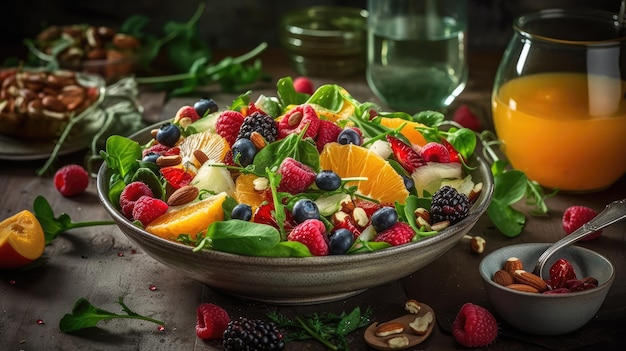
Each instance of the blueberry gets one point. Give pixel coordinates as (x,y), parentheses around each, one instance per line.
(305,209)
(242,212)
(150,157)
(349,136)
(168,134)
(327,180)
(243,152)
(384,218)
(205,106)
(340,241)
(408,182)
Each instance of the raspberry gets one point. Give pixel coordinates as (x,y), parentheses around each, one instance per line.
(228,124)
(398,234)
(212,321)
(71,180)
(466,118)
(296,176)
(311,233)
(408,158)
(303,85)
(158,149)
(131,193)
(575,216)
(474,326)
(449,205)
(147,209)
(186,112)
(435,152)
(297,119)
(327,132)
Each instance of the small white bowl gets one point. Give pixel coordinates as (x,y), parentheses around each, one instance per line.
(547,314)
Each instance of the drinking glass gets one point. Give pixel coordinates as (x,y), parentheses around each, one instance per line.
(558,101)
(416,53)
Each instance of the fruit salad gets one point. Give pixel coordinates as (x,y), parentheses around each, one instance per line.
(295,175)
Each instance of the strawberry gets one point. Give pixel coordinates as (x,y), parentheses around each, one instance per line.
(186,112)
(347,223)
(176,176)
(408,158)
(575,216)
(300,117)
(212,321)
(303,85)
(327,132)
(435,152)
(560,272)
(147,209)
(296,177)
(228,124)
(265,215)
(466,118)
(454,155)
(311,233)
(71,180)
(474,326)
(398,234)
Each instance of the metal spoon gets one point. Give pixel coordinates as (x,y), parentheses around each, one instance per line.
(613,212)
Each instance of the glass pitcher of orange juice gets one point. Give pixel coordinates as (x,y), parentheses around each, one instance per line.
(559,99)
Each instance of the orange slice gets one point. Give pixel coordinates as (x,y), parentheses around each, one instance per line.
(191,218)
(383,182)
(245,192)
(21,240)
(409,131)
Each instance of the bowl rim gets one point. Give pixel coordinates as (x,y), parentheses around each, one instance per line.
(477,210)
(543,246)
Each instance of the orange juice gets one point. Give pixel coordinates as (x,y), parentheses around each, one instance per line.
(564,130)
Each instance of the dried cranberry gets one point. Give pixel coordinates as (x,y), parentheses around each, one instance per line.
(560,272)
(557,291)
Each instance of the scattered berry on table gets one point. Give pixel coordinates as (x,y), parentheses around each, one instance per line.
(168,134)
(327,133)
(303,85)
(575,216)
(205,106)
(131,193)
(435,152)
(260,123)
(474,326)
(147,209)
(300,117)
(449,205)
(384,218)
(408,158)
(212,321)
(327,180)
(186,112)
(228,124)
(349,136)
(466,118)
(305,209)
(243,152)
(242,212)
(296,177)
(311,233)
(71,180)
(252,334)
(398,234)
(339,241)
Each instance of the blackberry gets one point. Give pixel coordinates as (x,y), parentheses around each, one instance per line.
(449,205)
(245,334)
(260,123)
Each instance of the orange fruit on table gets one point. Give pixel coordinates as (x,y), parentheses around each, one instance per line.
(21,240)
(383,182)
(191,218)
(409,131)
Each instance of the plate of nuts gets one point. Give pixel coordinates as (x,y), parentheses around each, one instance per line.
(403,332)
(36,105)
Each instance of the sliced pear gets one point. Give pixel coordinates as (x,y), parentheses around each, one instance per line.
(215,178)
(430,176)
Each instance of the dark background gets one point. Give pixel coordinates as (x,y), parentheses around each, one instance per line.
(242,24)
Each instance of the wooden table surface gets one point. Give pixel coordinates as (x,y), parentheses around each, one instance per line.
(101,264)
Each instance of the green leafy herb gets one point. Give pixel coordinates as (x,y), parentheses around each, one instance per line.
(330,329)
(242,237)
(53,226)
(85,315)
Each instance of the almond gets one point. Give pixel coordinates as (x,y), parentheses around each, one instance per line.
(257,140)
(390,328)
(439,226)
(200,156)
(503,278)
(477,244)
(420,325)
(473,194)
(522,287)
(523,277)
(183,195)
(170,160)
(512,264)
(423,213)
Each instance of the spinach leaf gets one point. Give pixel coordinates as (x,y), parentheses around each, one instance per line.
(292,146)
(327,96)
(288,94)
(121,155)
(241,237)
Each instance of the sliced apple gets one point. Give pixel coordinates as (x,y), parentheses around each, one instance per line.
(430,176)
